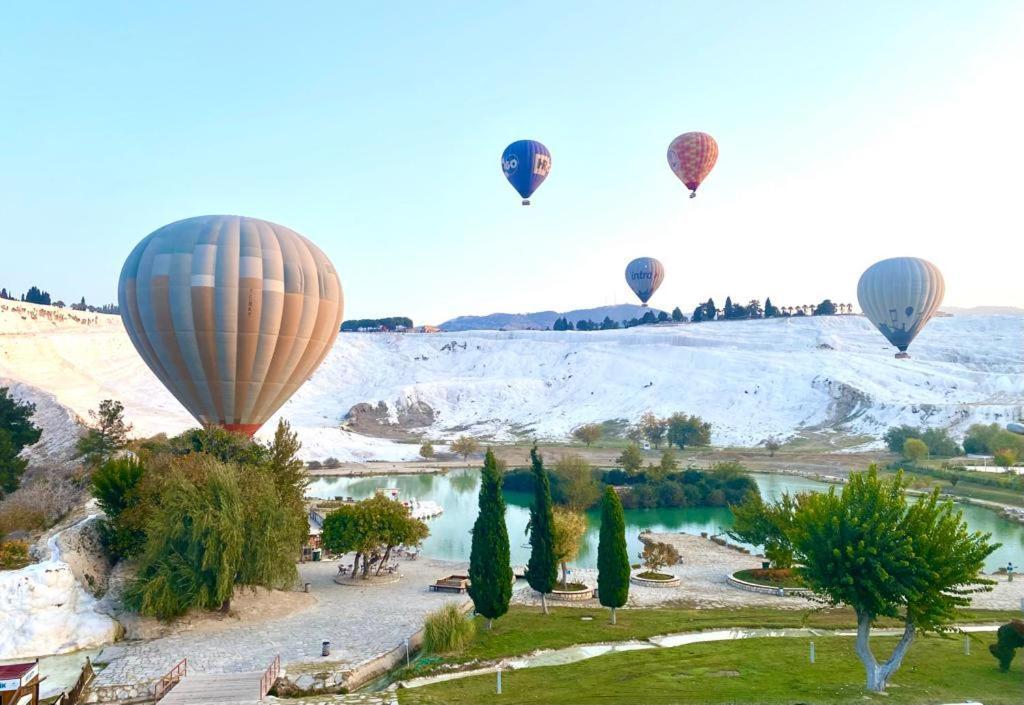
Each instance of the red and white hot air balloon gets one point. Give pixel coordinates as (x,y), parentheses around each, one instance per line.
(692,156)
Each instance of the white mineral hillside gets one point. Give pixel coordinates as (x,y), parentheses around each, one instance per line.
(751,379)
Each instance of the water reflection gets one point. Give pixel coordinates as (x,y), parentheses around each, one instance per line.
(457,493)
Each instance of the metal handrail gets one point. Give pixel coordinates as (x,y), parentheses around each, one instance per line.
(170,679)
(270,676)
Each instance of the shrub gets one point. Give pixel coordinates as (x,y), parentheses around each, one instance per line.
(447,631)
(1009,638)
(658,555)
(116,487)
(332,463)
(314,465)
(13,555)
(427,450)
(914,449)
(1005,457)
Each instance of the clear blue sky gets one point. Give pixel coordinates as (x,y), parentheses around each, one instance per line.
(848,132)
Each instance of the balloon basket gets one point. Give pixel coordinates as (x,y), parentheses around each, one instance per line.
(526,201)
(693,194)
(902,356)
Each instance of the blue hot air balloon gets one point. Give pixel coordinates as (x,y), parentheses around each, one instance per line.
(526,164)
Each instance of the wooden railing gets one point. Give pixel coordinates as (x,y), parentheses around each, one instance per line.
(74,695)
(170,679)
(270,676)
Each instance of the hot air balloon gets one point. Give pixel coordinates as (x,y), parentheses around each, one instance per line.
(232,314)
(644,275)
(526,164)
(899,295)
(692,156)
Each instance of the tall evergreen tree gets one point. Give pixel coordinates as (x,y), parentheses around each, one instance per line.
(677,315)
(728,310)
(490,562)
(710,310)
(612,556)
(769,309)
(542,569)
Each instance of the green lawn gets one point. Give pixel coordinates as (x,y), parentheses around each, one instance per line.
(527,629)
(749,671)
(964,488)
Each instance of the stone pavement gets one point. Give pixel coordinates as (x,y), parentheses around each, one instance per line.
(360,623)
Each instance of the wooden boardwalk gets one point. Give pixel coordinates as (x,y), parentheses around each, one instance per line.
(206,688)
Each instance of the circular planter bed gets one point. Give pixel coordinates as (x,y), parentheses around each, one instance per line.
(768,581)
(652,579)
(573,592)
(369,581)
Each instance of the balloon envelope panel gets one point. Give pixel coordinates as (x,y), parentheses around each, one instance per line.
(232,314)
(526,164)
(644,275)
(899,295)
(691,156)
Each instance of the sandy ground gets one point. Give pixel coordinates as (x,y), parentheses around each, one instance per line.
(808,463)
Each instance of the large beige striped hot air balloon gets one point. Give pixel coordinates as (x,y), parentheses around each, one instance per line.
(232,314)
(900,295)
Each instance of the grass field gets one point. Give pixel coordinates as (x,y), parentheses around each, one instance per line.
(749,671)
(527,629)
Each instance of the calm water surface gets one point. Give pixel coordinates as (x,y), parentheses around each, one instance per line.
(457,493)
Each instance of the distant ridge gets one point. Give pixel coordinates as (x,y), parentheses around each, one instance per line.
(983,310)
(541,320)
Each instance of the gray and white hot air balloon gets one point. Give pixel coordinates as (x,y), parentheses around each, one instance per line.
(899,295)
(232,314)
(644,275)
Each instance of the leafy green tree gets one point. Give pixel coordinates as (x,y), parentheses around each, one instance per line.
(896,436)
(657,555)
(427,450)
(490,569)
(117,486)
(107,434)
(569,527)
(686,430)
(1005,457)
(986,440)
(654,428)
(825,308)
(465,446)
(215,526)
(772,445)
(609,324)
(12,466)
(286,470)
(867,548)
(215,441)
(761,524)
(677,315)
(589,433)
(542,568)
(612,556)
(371,529)
(914,449)
(940,443)
(662,317)
(576,481)
(16,420)
(631,459)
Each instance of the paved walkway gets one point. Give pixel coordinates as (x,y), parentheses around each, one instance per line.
(360,623)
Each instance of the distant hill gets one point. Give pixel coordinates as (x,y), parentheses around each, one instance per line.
(541,320)
(983,310)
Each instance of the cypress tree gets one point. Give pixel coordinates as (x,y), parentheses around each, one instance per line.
(612,557)
(542,570)
(490,569)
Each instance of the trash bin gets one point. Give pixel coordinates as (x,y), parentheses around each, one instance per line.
(765,565)
(325,649)
(316,554)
